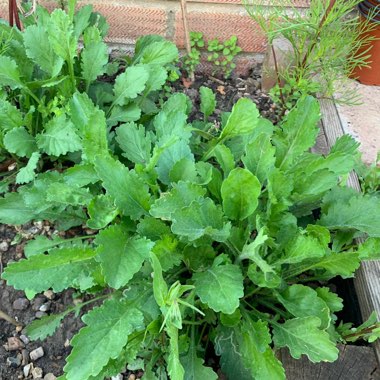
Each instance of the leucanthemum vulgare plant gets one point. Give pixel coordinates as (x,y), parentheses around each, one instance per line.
(55,57)
(324,42)
(210,241)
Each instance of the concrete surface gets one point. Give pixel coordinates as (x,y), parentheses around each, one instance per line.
(363,121)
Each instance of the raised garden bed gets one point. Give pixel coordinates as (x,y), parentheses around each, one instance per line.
(354,361)
(254,263)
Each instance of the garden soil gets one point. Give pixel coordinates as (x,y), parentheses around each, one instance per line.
(55,349)
(14,303)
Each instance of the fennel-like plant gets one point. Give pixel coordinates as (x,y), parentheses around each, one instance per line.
(325,41)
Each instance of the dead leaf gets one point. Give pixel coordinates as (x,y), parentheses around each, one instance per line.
(187,82)
(220,89)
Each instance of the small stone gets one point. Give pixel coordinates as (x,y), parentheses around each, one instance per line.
(19,251)
(33,230)
(40,314)
(38,224)
(18,328)
(45,307)
(37,303)
(37,373)
(26,370)
(50,376)
(14,344)
(24,339)
(36,354)
(77,301)
(25,357)
(12,166)
(132,377)
(4,246)
(20,304)
(67,343)
(14,362)
(117,377)
(49,294)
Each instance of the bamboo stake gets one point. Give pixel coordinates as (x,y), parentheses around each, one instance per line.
(186,31)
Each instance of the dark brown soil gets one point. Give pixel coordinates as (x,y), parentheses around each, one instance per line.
(57,348)
(228,92)
(15,304)
(54,347)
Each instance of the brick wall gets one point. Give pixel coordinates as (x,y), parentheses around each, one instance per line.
(130,19)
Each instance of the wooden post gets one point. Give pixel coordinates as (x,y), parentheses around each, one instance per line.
(186,31)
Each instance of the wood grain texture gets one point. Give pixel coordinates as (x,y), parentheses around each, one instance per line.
(321,146)
(354,363)
(367,279)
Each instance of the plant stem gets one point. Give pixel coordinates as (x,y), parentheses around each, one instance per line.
(261,315)
(204,134)
(79,306)
(368,330)
(232,248)
(192,323)
(201,334)
(71,73)
(9,319)
(75,239)
(278,77)
(319,31)
(251,293)
(30,93)
(271,306)
(209,152)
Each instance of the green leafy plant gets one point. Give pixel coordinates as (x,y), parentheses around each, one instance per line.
(222,54)
(192,60)
(369,176)
(324,45)
(293,90)
(205,242)
(369,330)
(44,72)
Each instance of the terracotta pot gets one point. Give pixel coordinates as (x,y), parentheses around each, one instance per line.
(373,2)
(370,75)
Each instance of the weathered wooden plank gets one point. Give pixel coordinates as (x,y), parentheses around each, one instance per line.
(367,279)
(321,143)
(354,363)
(331,123)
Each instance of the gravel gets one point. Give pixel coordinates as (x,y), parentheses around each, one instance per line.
(36,354)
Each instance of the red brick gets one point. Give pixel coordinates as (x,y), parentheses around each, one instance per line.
(127,23)
(296,3)
(223,26)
